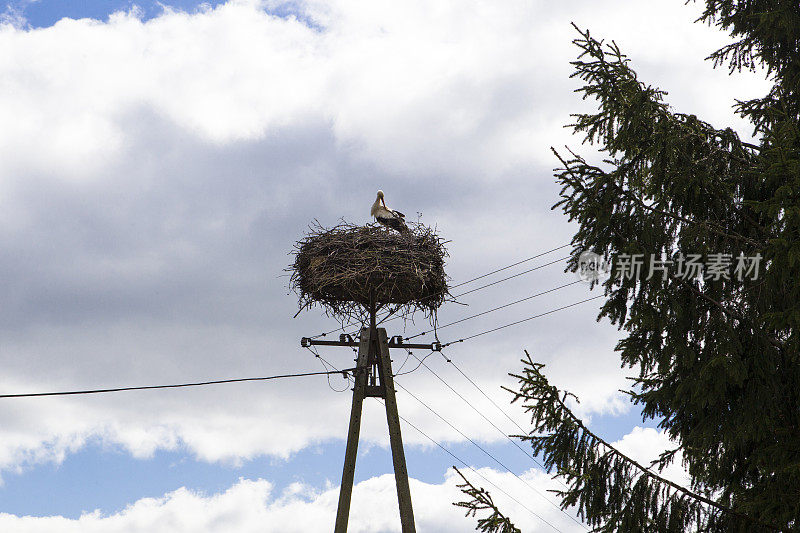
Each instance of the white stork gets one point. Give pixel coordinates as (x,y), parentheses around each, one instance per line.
(388,217)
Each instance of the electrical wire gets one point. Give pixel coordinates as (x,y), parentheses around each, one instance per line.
(486,452)
(531,258)
(523,320)
(196,384)
(408,356)
(421,362)
(518,274)
(327,365)
(467,466)
(472,406)
(482,415)
(503,411)
(340,328)
(465,283)
(492,310)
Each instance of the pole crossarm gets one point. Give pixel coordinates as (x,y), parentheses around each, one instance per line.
(395,342)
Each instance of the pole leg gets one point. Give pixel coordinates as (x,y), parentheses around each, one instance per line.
(349,470)
(395,438)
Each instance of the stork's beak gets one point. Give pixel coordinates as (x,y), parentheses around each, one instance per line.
(384,203)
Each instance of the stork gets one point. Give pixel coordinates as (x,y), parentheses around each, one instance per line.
(388,217)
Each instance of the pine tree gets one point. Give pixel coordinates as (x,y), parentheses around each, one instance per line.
(717,356)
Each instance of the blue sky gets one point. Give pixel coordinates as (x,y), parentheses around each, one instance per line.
(44,13)
(101,477)
(155,171)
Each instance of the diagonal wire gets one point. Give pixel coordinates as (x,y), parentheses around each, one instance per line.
(454,456)
(518,274)
(481,448)
(327,366)
(494,309)
(512,265)
(454,391)
(503,411)
(523,320)
(482,415)
(408,356)
(421,361)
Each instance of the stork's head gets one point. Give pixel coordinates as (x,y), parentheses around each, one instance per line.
(380,197)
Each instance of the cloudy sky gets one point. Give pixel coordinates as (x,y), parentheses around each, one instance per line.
(157,163)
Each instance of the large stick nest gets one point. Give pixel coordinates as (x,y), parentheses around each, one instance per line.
(338,267)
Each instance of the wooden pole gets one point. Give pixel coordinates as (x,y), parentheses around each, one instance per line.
(349,470)
(373,350)
(395,438)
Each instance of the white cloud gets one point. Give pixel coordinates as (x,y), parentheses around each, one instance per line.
(646,444)
(252,505)
(153,176)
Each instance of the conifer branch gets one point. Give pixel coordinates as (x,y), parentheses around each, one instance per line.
(613,492)
(596,172)
(734,315)
(481,500)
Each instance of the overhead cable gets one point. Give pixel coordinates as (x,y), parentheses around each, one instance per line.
(484,450)
(492,310)
(196,384)
(521,321)
(518,274)
(464,463)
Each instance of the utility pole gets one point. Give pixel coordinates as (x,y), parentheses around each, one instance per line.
(373,377)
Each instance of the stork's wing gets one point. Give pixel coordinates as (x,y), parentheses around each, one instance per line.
(395,223)
(398,213)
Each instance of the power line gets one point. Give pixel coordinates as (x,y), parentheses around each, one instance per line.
(408,356)
(328,365)
(446,384)
(481,414)
(340,328)
(521,321)
(421,362)
(511,277)
(512,265)
(487,419)
(467,282)
(482,449)
(196,384)
(454,456)
(492,310)
(503,411)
